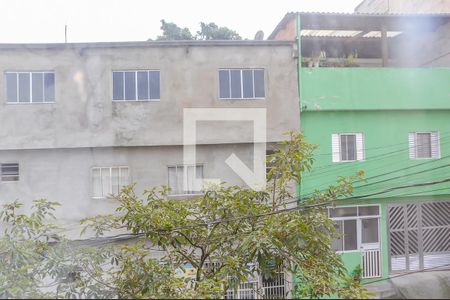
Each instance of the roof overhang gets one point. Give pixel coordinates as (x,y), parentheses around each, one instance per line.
(363,22)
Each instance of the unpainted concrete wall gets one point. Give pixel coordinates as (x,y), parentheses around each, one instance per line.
(64,175)
(84,114)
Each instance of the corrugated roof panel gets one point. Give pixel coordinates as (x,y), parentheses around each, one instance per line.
(329,33)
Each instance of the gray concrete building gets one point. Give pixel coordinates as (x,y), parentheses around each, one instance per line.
(78,121)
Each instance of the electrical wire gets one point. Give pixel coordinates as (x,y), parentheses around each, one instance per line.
(285,210)
(348,165)
(380,175)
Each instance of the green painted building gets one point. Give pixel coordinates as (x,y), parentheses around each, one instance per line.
(371,100)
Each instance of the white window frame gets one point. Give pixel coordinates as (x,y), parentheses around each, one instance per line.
(110,179)
(135,71)
(358,219)
(242,83)
(44,101)
(10,181)
(336,147)
(412,141)
(183,194)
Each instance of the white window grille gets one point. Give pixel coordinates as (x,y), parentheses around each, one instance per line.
(179,173)
(424,145)
(9,172)
(347,147)
(107,181)
(260,287)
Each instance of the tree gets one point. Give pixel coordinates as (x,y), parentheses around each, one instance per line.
(208,31)
(231,232)
(37,262)
(226,234)
(211,31)
(172,32)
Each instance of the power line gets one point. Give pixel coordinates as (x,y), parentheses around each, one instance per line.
(383,174)
(382,192)
(337,167)
(442,135)
(402,187)
(296,208)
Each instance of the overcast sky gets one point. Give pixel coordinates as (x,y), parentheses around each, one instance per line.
(42,21)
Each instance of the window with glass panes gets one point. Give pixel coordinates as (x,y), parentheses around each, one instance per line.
(241,83)
(138,85)
(107,181)
(179,173)
(348,146)
(9,172)
(356,226)
(30,87)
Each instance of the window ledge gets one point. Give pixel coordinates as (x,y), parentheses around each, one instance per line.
(29,103)
(349,161)
(241,99)
(132,101)
(348,251)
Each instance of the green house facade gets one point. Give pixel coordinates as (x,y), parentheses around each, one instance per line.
(404,153)
(375,98)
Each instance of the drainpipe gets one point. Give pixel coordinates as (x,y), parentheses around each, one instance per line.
(299,66)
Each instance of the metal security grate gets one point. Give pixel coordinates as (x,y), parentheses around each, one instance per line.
(371,263)
(419,235)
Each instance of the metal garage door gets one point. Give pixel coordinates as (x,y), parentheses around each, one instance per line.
(419,236)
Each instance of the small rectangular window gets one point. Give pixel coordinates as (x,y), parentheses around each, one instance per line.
(9,172)
(355,226)
(338,242)
(49,87)
(423,145)
(142,85)
(38,87)
(224,84)
(107,181)
(241,83)
(154,82)
(368,211)
(130,85)
(339,212)
(350,235)
(259,83)
(236,84)
(118,88)
(348,147)
(24,87)
(30,87)
(177,175)
(247,83)
(11,87)
(369,231)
